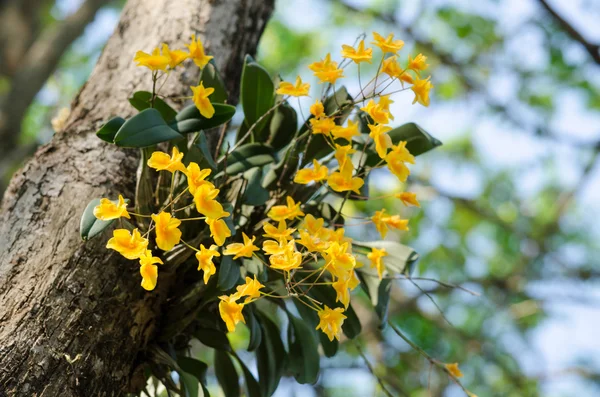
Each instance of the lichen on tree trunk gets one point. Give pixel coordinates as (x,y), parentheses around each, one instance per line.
(73,318)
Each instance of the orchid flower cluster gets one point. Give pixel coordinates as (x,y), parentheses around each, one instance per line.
(297,249)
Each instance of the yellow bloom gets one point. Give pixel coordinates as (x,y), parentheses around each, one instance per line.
(205,261)
(343,181)
(204,198)
(376,257)
(197,52)
(219,230)
(201,100)
(408,198)
(381,138)
(421,89)
(312,241)
(272,247)
(330,321)
(377,113)
(396,160)
(154,61)
(322,125)
(289,211)
(131,246)
(391,67)
(316,174)
(251,289)
(342,291)
(175,56)
(231,311)
(196,177)
(453,369)
(161,161)
(148,270)
(384,104)
(378,221)
(382,221)
(357,55)
(167,232)
(317,109)
(342,155)
(149,275)
(418,64)
(287,88)
(338,260)
(245,249)
(312,224)
(108,210)
(288,260)
(346,132)
(278,233)
(396,222)
(406,78)
(327,71)
(387,44)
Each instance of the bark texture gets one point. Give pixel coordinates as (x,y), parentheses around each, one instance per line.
(73,318)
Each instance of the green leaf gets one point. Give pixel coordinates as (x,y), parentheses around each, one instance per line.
(193,372)
(146,128)
(255,194)
(418,141)
(378,291)
(90,226)
(283,126)
(257,95)
(210,77)
(226,374)
(213,338)
(330,347)
(304,357)
(189,384)
(142,100)
(228,272)
(271,357)
(248,156)
(254,327)
(109,130)
(400,258)
(190,119)
(252,386)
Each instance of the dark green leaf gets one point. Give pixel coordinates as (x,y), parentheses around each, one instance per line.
(109,130)
(190,119)
(255,194)
(142,100)
(271,356)
(90,226)
(378,291)
(304,356)
(228,272)
(210,77)
(213,338)
(189,383)
(257,97)
(252,386)
(283,126)
(330,347)
(254,327)
(194,367)
(226,374)
(146,128)
(248,156)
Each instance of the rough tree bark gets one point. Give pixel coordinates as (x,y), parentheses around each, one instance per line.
(61,297)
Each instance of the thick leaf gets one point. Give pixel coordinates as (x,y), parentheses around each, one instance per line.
(210,77)
(142,100)
(226,374)
(252,386)
(254,327)
(109,130)
(228,273)
(283,126)
(400,258)
(257,95)
(330,347)
(378,291)
(193,372)
(90,226)
(199,153)
(190,119)
(189,383)
(418,141)
(146,128)
(271,356)
(248,156)
(213,338)
(304,357)
(255,194)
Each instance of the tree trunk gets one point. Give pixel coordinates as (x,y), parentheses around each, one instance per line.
(61,299)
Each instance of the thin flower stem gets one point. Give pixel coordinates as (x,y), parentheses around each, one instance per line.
(189,246)
(140,215)
(200,218)
(372,370)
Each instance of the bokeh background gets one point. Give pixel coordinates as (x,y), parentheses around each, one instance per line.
(510,202)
